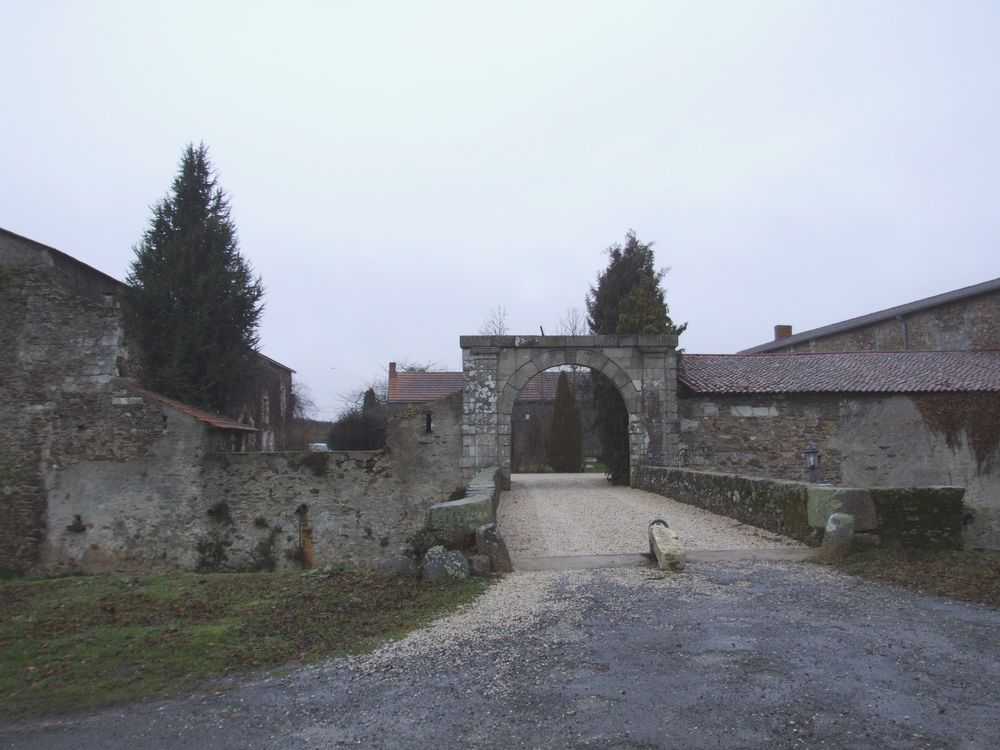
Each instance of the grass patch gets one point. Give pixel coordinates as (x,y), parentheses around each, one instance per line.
(968,575)
(80,642)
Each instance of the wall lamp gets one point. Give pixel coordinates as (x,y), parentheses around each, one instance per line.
(811,455)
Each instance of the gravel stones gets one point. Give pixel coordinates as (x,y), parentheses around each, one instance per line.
(582,514)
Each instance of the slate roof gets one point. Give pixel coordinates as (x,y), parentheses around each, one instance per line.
(421,387)
(955,295)
(842,372)
(209,418)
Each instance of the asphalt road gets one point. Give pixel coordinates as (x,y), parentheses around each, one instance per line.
(724,655)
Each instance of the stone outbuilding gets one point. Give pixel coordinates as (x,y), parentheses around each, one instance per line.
(877,419)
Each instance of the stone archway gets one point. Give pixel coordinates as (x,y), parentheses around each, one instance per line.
(644,369)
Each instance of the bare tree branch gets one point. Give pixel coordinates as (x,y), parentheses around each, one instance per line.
(573,323)
(495,323)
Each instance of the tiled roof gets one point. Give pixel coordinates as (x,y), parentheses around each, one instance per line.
(214,420)
(542,387)
(421,387)
(955,295)
(842,372)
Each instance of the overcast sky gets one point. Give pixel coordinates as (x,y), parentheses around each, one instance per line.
(396,170)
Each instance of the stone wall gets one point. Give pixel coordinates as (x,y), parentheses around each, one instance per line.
(173,504)
(964,324)
(901,517)
(760,435)
(58,358)
(864,441)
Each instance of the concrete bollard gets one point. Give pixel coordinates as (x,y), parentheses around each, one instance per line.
(838,538)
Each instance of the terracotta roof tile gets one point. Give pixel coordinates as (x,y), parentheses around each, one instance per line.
(214,420)
(421,387)
(842,372)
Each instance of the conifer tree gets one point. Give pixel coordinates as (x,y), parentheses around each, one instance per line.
(193,304)
(370,405)
(566,431)
(627,299)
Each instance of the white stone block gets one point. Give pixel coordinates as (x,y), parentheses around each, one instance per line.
(666,545)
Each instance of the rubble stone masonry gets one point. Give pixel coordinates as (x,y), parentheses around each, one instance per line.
(56,373)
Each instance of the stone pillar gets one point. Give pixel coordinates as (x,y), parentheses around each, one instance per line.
(479,410)
(659,405)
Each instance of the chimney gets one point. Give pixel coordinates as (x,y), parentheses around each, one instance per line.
(782,332)
(392,370)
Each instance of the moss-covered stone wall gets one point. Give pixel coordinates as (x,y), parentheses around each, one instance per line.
(905,517)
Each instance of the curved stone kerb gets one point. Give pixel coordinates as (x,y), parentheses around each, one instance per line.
(546,359)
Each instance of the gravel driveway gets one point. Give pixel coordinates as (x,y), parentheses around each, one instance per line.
(724,655)
(547,515)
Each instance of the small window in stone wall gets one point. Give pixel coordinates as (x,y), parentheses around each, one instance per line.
(265,410)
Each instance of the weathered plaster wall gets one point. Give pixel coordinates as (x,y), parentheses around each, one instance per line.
(174,505)
(138,499)
(864,440)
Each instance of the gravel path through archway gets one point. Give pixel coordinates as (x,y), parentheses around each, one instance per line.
(545,515)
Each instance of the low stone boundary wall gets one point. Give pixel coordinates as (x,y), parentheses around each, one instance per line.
(911,517)
(455,522)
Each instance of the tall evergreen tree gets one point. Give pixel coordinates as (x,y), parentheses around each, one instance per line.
(627,299)
(566,431)
(193,304)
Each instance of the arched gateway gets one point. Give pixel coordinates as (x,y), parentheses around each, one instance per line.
(644,368)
